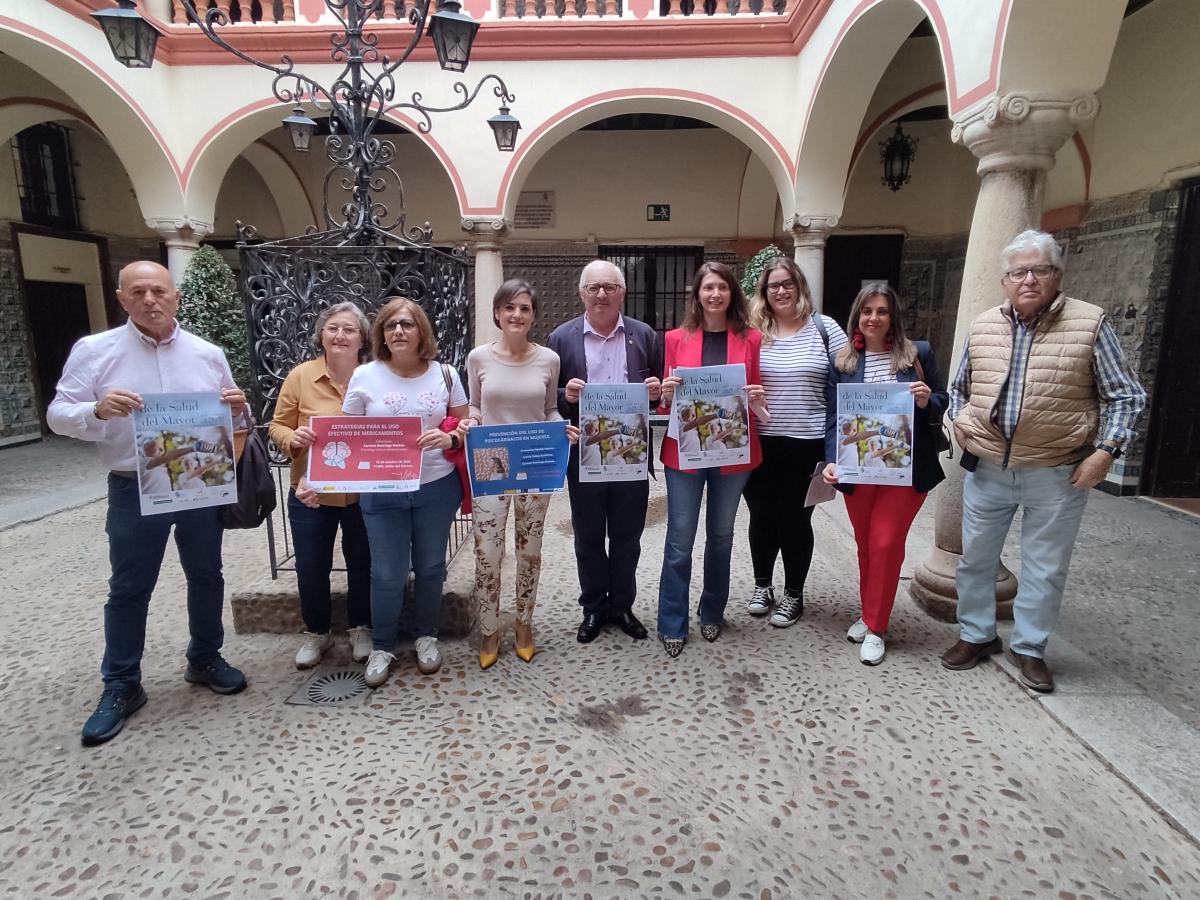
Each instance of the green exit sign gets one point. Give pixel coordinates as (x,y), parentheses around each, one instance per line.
(658,212)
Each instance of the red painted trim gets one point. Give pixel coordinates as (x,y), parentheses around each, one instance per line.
(886,116)
(624,94)
(75,54)
(1064,217)
(1086,159)
(71,111)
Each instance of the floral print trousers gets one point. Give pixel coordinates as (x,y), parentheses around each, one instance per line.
(491,515)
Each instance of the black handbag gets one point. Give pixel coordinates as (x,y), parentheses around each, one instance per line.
(935,429)
(256,495)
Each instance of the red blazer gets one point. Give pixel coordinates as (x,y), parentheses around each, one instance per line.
(684,348)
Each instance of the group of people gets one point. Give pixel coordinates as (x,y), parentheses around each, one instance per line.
(1025,405)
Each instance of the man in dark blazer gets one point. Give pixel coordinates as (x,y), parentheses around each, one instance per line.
(603,347)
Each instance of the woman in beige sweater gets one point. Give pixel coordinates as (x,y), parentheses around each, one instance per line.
(512,380)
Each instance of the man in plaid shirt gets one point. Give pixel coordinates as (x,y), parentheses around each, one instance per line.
(1026,402)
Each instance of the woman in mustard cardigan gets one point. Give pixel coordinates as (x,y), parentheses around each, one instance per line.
(716,331)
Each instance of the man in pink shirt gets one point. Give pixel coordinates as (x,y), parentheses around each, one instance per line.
(101,386)
(603,347)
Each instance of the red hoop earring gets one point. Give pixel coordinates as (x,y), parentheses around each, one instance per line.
(858,341)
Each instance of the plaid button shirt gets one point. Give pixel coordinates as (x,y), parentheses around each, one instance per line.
(1116,386)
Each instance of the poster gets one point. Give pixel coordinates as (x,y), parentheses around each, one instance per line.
(874,434)
(709,419)
(364,454)
(614,423)
(184,449)
(517,459)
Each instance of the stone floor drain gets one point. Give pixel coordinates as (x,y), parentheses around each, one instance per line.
(332,687)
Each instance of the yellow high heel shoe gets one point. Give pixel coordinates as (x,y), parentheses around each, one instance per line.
(527,652)
(487,658)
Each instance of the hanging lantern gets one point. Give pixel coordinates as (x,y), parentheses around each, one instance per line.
(505,128)
(897,154)
(131,38)
(452,34)
(300,128)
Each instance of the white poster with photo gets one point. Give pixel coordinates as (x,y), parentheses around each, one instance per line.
(614,430)
(874,434)
(184,447)
(709,419)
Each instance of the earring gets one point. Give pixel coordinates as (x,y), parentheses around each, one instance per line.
(858,340)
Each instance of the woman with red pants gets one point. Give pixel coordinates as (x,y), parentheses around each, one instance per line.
(882,514)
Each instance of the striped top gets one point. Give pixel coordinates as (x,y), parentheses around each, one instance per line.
(878,367)
(793,374)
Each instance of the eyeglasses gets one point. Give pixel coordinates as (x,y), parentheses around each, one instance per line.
(400,325)
(335,330)
(1041,273)
(775,287)
(593,290)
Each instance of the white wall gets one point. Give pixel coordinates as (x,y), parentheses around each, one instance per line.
(244,196)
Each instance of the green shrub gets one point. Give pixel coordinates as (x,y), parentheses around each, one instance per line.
(754,268)
(210,306)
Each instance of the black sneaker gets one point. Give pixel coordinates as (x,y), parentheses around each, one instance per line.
(218,675)
(762,600)
(789,610)
(116,705)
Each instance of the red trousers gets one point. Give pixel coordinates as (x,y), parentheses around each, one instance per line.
(881,516)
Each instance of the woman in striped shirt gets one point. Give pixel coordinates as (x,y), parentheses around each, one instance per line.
(882,513)
(795,360)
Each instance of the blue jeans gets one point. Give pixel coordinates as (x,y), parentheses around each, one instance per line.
(684,492)
(1051,511)
(409,530)
(313,534)
(136,545)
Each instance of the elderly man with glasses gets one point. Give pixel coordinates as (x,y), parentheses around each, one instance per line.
(1026,405)
(603,347)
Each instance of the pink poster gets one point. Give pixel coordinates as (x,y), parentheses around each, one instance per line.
(365,454)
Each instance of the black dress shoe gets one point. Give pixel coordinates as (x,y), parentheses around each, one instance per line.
(629,624)
(590,627)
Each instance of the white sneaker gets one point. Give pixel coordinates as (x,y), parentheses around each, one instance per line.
(312,649)
(378,666)
(871,652)
(858,632)
(429,658)
(761,602)
(360,643)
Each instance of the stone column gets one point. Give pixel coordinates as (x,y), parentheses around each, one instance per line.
(808,238)
(1015,138)
(182,237)
(489,272)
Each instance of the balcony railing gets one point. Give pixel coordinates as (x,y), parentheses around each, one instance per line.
(239,12)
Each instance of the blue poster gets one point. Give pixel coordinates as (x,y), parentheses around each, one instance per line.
(874,433)
(184,449)
(517,459)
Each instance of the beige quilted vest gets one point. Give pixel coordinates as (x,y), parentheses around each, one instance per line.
(1060,412)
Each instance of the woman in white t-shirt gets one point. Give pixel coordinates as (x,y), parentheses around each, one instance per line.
(409,527)
(794,362)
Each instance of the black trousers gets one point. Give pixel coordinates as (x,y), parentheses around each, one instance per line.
(615,510)
(779,521)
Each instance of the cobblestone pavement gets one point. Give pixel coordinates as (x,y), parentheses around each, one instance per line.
(770,764)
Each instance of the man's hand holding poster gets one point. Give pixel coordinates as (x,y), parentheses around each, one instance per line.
(517,459)
(874,434)
(614,428)
(365,454)
(709,418)
(184,446)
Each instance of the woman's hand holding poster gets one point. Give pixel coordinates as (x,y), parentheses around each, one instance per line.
(709,419)
(874,434)
(614,428)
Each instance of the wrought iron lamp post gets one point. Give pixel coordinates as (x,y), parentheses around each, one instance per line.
(897,154)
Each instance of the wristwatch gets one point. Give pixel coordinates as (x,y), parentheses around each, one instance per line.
(1114,452)
(453,441)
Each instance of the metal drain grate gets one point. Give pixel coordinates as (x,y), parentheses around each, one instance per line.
(332,687)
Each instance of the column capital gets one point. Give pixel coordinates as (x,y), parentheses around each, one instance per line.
(811,230)
(1021,130)
(494,227)
(181,231)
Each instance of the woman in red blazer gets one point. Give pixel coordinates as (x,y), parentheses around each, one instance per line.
(716,331)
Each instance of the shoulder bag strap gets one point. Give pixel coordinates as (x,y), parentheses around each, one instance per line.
(820,323)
